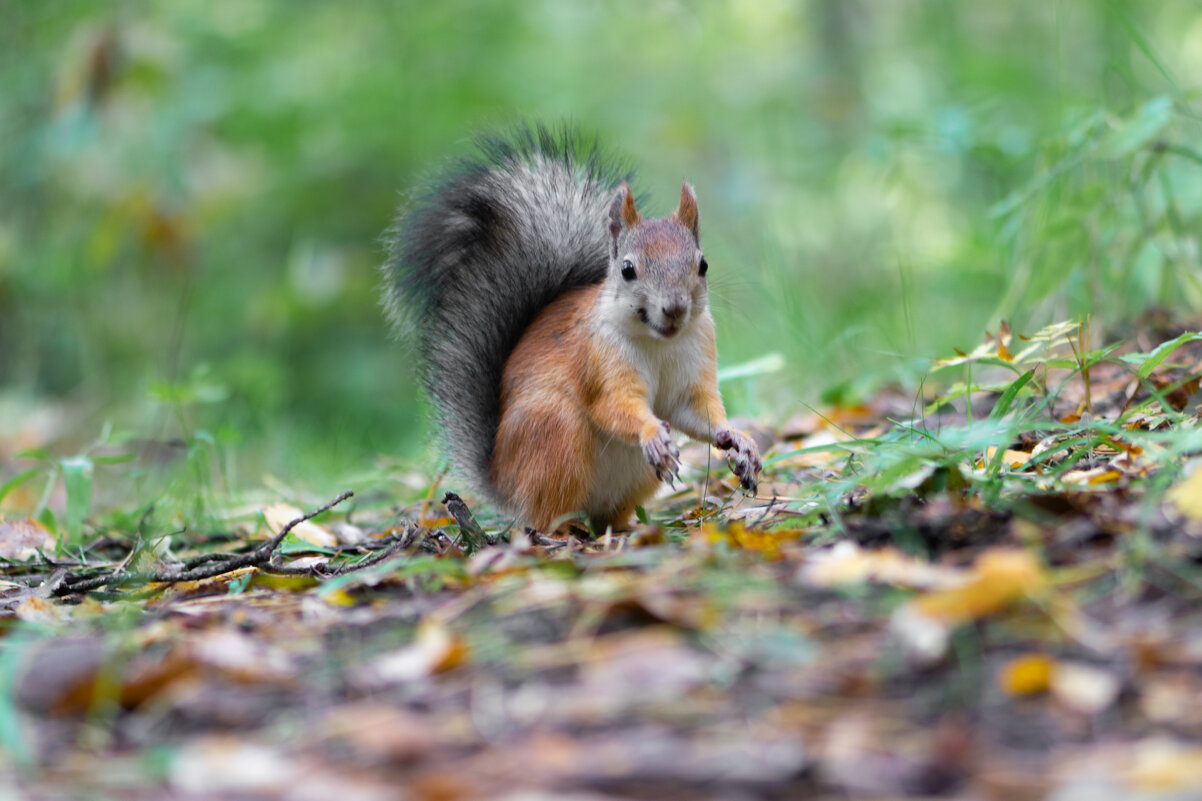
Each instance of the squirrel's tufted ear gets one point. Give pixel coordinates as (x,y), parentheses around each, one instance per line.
(686,213)
(622,214)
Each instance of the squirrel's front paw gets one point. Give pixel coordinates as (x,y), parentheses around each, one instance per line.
(743,455)
(661,453)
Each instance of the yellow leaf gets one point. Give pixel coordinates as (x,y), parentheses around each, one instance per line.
(736,535)
(1027,675)
(1093,476)
(1012,459)
(1187,496)
(1000,578)
(279,515)
(338,597)
(276,581)
(848,563)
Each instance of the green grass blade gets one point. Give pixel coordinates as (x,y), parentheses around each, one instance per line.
(1007,399)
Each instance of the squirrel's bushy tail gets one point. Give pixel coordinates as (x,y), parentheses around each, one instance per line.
(476,259)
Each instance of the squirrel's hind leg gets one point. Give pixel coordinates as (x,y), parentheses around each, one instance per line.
(538,467)
(620,515)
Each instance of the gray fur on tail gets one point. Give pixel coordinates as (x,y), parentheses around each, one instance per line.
(479,255)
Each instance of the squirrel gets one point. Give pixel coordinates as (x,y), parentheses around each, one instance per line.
(563,335)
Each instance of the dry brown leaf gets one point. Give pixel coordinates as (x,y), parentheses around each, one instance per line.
(36,609)
(382,732)
(629,668)
(21,539)
(69,676)
(1175,698)
(433,650)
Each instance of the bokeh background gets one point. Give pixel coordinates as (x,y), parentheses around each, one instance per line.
(193,193)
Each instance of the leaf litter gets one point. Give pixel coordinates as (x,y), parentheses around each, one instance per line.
(989,592)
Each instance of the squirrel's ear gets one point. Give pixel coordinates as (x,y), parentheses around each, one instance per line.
(622,214)
(686,214)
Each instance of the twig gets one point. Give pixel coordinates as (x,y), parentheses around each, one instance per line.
(384,549)
(201,569)
(473,536)
(550,543)
(376,558)
(767,510)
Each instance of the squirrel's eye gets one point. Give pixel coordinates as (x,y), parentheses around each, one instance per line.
(628,270)
(703,267)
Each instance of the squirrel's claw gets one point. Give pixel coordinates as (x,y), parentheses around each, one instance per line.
(743,457)
(663,455)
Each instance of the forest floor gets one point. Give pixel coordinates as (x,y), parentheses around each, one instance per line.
(987,593)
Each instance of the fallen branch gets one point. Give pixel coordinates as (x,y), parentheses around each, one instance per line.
(207,566)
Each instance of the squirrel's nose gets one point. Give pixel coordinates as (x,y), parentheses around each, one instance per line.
(675,311)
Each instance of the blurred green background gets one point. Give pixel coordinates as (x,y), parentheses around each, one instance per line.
(193,194)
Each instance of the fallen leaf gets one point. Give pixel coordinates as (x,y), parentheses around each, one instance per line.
(925,640)
(624,670)
(1187,496)
(736,535)
(279,515)
(1092,477)
(1174,699)
(21,539)
(381,732)
(241,657)
(69,676)
(1165,766)
(1084,688)
(224,764)
(1011,458)
(848,563)
(434,649)
(35,609)
(1029,674)
(1000,578)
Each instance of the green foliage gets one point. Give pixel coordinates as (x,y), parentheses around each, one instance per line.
(1108,224)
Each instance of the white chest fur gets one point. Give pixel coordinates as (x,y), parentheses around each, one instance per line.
(670,367)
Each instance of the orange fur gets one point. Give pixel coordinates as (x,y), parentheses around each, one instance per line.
(561,393)
(629,213)
(536,466)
